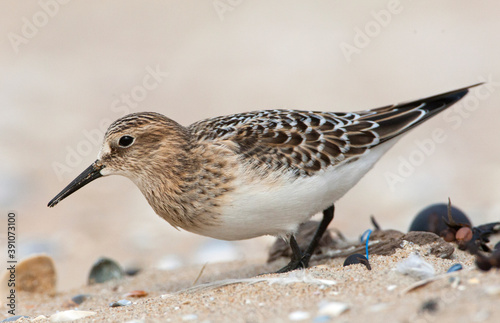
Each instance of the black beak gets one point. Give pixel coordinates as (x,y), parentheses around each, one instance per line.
(87,176)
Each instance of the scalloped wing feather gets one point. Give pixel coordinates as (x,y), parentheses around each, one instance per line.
(306,142)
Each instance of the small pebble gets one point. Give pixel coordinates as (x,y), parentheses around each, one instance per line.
(493,290)
(189,317)
(483,263)
(333,309)
(357,258)
(122,302)
(299,316)
(473,281)
(136,293)
(76,300)
(14,318)
(34,274)
(80,298)
(464,234)
(454,267)
(132,271)
(454,281)
(430,306)
(391,287)
(70,315)
(322,318)
(103,270)
(416,267)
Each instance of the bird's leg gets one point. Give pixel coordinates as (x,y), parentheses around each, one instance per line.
(327,218)
(295,262)
(299,259)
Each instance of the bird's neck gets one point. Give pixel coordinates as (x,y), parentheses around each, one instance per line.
(185,189)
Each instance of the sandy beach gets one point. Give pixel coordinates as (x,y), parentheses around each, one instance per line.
(235,292)
(69,68)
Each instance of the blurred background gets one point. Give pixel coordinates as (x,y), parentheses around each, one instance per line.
(69,68)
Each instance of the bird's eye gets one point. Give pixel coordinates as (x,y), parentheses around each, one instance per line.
(126,141)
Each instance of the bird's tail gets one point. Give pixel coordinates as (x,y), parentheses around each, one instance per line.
(396,119)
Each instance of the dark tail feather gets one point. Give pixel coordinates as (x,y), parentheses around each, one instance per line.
(396,119)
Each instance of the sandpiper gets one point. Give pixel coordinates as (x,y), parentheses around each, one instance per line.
(251,174)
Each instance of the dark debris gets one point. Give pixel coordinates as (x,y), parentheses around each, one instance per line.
(430,306)
(357,258)
(304,235)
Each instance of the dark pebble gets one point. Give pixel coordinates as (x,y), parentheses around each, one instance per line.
(80,298)
(14,318)
(122,302)
(103,270)
(357,258)
(483,263)
(430,306)
(497,246)
(132,271)
(454,267)
(431,219)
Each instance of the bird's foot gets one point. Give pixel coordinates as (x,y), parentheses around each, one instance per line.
(301,263)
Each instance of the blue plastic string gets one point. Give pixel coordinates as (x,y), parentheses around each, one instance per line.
(366,234)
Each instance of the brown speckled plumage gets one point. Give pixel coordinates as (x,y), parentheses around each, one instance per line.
(250,174)
(180,177)
(309,141)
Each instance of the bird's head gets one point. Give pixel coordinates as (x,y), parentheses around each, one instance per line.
(140,146)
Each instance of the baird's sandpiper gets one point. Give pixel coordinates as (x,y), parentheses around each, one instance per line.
(251,174)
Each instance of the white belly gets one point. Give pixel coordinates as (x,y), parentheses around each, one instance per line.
(278,206)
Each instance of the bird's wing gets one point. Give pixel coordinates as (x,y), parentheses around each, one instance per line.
(309,141)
